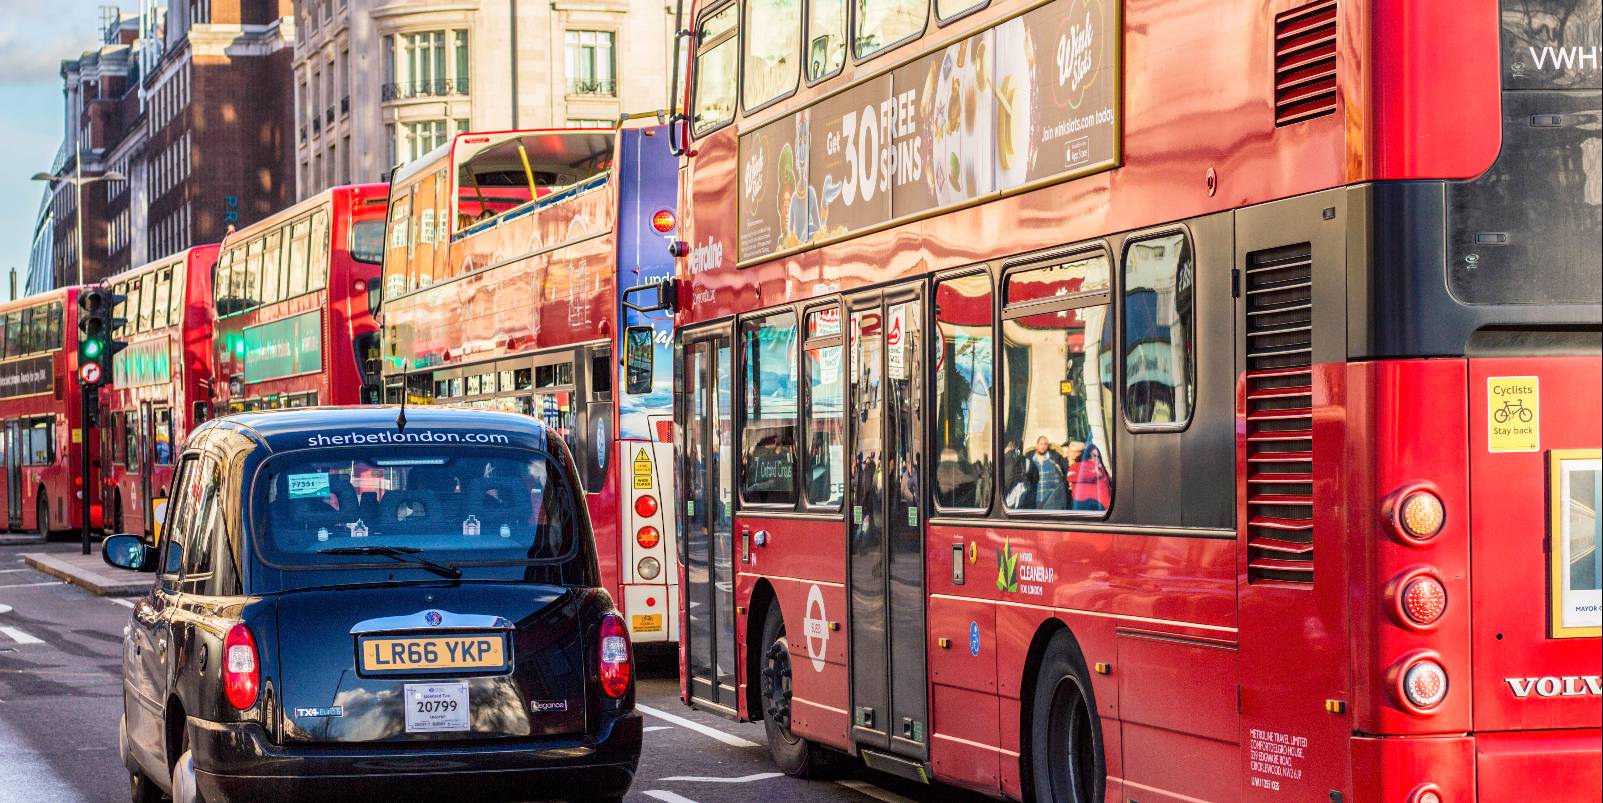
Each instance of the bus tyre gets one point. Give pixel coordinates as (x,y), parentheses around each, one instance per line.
(42,516)
(794,755)
(1066,762)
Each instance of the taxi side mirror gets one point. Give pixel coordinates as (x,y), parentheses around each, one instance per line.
(128,551)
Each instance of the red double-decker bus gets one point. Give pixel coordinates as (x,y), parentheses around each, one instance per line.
(523,272)
(294,326)
(41,413)
(1087,400)
(161,384)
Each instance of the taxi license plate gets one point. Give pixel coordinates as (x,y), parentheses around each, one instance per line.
(647,622)
(477,653)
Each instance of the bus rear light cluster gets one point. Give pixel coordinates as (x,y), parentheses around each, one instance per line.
(663,221)
(1423,600)
(1416,514)
(648,536)
(648,568)
(646,506)
(1421,682)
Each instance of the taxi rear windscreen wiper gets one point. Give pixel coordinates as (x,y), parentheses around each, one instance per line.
(408,554)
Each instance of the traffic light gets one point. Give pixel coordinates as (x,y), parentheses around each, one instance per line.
(96,324)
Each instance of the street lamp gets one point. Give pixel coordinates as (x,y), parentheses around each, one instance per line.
(78,180)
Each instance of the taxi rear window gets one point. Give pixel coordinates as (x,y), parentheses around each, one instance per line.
(461,504)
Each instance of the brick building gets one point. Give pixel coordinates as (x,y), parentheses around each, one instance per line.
(192,103)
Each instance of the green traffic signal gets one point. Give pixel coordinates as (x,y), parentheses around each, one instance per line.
(92,349)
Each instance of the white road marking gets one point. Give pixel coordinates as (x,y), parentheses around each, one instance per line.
(666,796)
(726,738)
(866,788)
(646,729)
(20,636)
(33,585)
(122,602)
(4,608)
(761,776)
(8,571)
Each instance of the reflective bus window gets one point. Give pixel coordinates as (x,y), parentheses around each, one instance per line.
(1159,338)
(773,32)
(222,284)
(964,430)
(397,253)
(13,334)
(317,258)
(135,289)
(253,273)
(120,309)
(769,387)
(130,435)
(53,337)
(164,297)
(28,341)
(41,441)
(947,9)
(1058,389)
(883,23)
(272,267)
(717,50)
(175,293)
(295,267)
(825,482)
(826,38)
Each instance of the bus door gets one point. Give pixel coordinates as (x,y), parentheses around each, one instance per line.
(885,522)
(13,446)
(707,548)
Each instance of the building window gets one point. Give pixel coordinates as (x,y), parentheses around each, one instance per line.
(590,63)
(421,137)
(419,65)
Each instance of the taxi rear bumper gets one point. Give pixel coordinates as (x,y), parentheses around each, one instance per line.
(236,761)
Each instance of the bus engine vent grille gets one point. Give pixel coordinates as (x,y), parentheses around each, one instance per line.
(1305,62)
(1280,453)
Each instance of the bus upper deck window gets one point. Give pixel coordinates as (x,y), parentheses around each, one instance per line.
(826,38)
(884,23)
(716,61)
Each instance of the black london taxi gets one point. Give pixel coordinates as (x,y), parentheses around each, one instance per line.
(354,605)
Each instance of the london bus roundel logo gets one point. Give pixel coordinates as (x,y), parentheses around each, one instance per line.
(89,373)
(816,626)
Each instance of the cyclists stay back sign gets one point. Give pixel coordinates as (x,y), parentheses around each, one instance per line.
(1514,414)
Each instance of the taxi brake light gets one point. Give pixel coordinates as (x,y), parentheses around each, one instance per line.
(617,671)
(242,672)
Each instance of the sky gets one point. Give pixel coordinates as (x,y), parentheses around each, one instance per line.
(34,37)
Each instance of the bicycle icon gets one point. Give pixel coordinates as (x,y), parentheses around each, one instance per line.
(1513,408)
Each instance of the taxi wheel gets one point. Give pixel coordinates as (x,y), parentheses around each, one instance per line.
(796,756)
(142,789)
(184,788)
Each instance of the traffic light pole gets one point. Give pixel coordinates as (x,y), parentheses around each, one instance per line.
(83,503)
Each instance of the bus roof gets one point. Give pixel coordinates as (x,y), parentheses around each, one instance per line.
(181,256)
(379,192)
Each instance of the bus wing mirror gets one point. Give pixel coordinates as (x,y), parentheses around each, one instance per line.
(667,299)
(639,358)
(202,413)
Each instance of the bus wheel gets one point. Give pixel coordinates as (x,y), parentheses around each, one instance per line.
(796,756)
(116,516)
(1066,761)
(42,516)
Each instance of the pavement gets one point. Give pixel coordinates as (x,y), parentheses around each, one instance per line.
(61,697)
(91,572)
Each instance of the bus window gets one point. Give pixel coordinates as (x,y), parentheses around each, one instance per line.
(119,438)
(317,256)
(947,9)
(1159,338)
(884,23)
(223,283)
(272,267)
(164,280)
(13,334)
(442,223)
(397,253)
(175,301)
(299,237)
(41,440)
(825,468)
(769,63)
(120,309)
(147,298)
(53,336)
(253,273)
(29,344)
(130,444)
(716,53)
(420,265)
(769,390)
(1058,389)
(509,174)
(826,38)
(164,436)
(964,428)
